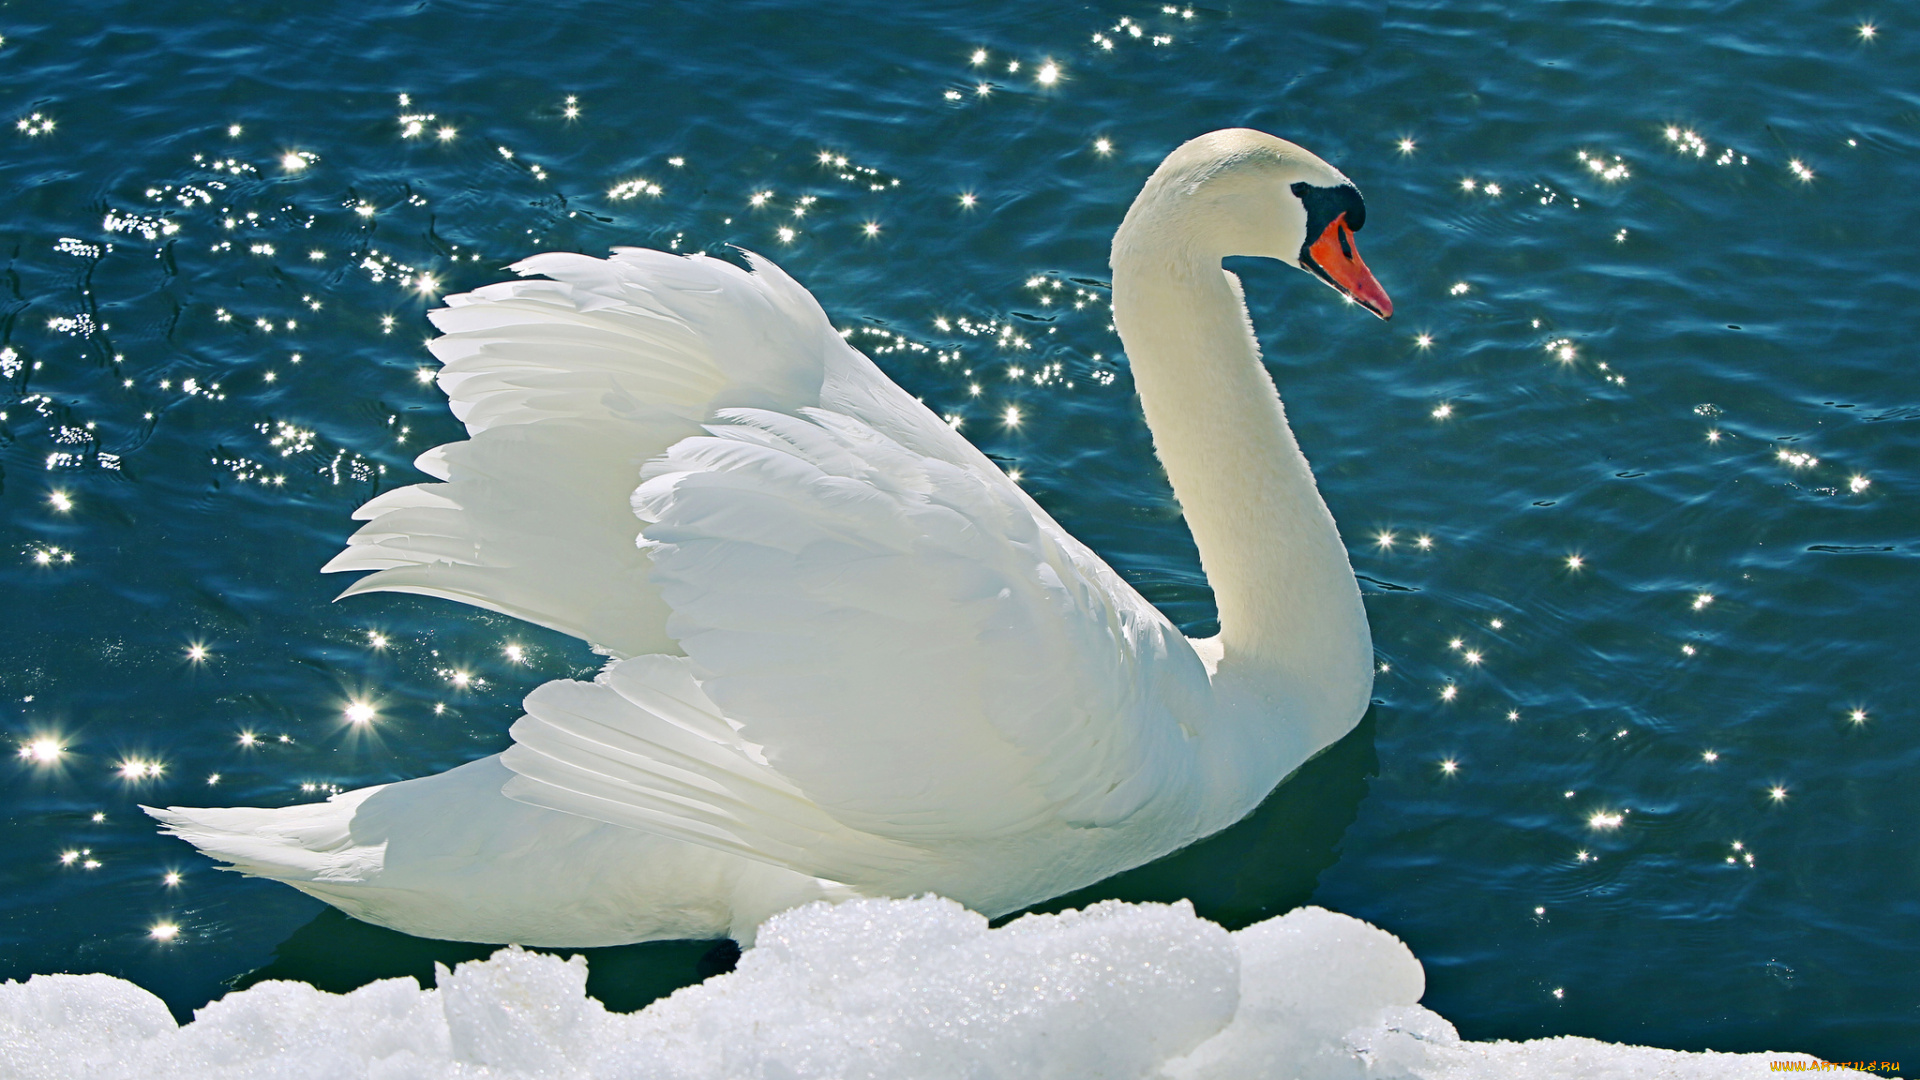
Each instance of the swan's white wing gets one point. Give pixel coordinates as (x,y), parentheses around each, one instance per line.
(906,639)
(566,386)
(917,648)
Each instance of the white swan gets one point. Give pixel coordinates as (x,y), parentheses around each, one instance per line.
(850,656)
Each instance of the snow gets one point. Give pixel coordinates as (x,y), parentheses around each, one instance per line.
(870,988)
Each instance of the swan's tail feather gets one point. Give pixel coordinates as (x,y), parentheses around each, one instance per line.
(300,845)
(567,385)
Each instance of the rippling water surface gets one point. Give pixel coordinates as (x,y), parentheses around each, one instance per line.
(1629,479)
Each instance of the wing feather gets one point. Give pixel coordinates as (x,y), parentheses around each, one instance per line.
(567,386)
(642,746)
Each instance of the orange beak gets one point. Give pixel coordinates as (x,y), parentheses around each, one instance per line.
(1335,258)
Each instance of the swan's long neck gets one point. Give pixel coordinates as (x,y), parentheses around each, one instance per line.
(1290,613)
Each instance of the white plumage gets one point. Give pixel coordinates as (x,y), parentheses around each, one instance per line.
(849,656)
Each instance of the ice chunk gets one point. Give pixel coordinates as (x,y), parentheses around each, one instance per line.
(521,1013)
(870,988)
(62,1025)
(1307,979)
(858,990)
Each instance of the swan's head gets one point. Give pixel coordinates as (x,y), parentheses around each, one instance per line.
(1244,192)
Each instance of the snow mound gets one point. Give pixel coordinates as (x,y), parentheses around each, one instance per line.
(889,989)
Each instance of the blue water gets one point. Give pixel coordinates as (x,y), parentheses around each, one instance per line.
(1669,332)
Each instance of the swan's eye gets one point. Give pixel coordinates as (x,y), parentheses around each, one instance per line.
(1331,206)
